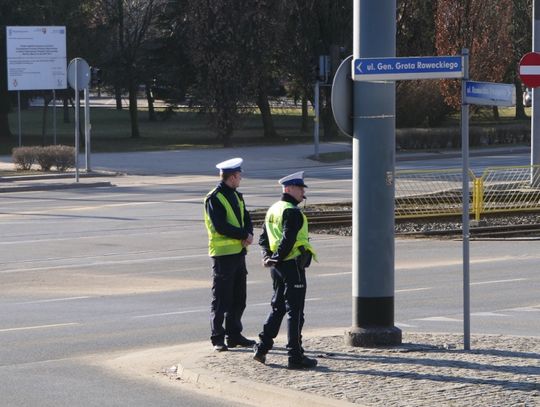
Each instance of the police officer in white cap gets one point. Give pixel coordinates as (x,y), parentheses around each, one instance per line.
(287,251)
(229,233)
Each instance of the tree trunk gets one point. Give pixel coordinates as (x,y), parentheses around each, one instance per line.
(496,113)
(150,99)
(65,108)
(133,110)
(266,115)
(118,97)
(44,120)
(329,124)
(305,115)
(5,132)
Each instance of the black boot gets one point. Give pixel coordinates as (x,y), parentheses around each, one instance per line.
(302,362)
(260,353)
(240,341)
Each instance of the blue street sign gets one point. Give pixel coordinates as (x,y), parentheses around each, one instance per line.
(397,69)
(489,93)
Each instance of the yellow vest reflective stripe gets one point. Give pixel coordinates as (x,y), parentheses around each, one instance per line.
(218,244)
(274,228)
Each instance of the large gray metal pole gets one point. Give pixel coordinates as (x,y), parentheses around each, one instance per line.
(535,116)
(373,182)
(465,193)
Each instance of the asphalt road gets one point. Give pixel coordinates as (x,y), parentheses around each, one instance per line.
(90,273)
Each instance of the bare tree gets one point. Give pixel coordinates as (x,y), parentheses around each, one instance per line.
(482,26)
(131,28)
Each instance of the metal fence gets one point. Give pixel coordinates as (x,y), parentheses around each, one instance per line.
(428,193)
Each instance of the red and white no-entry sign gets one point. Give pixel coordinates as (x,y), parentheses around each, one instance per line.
(529,69)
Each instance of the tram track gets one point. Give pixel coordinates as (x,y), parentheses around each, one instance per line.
(333,220)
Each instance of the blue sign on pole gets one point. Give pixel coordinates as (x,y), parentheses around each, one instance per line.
(490,93)
(397,69)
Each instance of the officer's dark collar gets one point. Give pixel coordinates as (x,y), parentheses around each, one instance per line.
(289,198)
(224,186)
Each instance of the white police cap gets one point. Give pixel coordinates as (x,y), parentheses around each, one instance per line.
(232,165)
(294,179)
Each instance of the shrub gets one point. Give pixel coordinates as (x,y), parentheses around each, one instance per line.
(61,157)
(45,157)
(64,157)
(23,157)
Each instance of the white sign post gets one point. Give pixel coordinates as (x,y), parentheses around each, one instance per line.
(79,78)
(36,60)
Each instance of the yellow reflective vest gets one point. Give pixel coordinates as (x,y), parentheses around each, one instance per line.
(274,228)
(218,244)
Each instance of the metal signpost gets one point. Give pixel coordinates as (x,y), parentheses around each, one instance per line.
(79,78)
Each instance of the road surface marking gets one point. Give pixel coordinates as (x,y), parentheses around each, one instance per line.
(25,328)
(103,263)
(164,314)
(53,300)
(344,273)
(438,319)
(499,281)
(488,314)
(414,289)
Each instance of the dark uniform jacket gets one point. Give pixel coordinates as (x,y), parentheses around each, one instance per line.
(292,223)
(218,214)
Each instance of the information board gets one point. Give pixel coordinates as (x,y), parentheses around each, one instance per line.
(36,58)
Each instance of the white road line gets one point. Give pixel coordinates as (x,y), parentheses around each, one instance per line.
(533,308)
(53,300)
(25,328)
(103,263)
(164,314)
(85,208)
(439,319)
(499,281)
(401,324)
(488,314)
(414,289)
(344,273)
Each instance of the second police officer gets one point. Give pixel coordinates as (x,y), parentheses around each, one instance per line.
(287,252)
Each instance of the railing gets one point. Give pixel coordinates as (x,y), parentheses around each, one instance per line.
(439,192)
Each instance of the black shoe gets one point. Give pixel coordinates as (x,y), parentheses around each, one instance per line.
(260,355)
(220,347)
(240,341)
(302,363)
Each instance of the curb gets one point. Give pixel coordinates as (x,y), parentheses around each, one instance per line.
(249,391)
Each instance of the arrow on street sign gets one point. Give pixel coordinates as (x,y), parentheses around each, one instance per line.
(529,69)
(490,93)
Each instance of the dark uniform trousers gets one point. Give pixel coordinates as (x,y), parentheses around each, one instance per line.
(289,281)
(228,296)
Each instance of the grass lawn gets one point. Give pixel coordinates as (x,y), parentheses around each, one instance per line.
(111,130)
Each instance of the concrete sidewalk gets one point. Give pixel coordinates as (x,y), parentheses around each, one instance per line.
(427,370)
